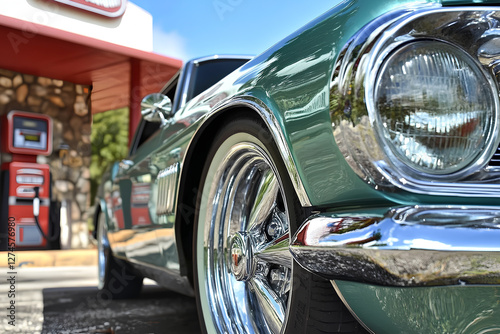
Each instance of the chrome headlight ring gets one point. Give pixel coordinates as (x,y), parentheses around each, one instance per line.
(362,133)
(435,110)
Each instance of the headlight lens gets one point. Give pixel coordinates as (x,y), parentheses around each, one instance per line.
(435,107)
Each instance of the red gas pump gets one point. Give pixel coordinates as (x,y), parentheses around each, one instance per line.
(25,184)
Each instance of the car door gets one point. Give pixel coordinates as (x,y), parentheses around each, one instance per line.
(135,237)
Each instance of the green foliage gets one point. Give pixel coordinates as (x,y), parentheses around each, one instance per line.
(109,143)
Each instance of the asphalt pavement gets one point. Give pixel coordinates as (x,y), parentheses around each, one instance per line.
(56,292)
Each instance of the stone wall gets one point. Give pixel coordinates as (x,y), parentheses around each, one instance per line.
(69,106)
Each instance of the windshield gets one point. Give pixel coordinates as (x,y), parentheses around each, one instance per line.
(206,74)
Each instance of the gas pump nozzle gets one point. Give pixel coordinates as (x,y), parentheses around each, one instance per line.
(36,202)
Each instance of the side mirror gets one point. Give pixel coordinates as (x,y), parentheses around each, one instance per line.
(156,108)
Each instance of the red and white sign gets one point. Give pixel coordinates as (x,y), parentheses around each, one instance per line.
(110,8)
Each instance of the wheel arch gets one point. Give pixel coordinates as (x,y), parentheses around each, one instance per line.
(195,158)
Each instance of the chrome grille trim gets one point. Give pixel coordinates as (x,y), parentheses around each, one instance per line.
(167,189)
(495,160)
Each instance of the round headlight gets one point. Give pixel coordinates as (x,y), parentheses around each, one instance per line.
(435,107)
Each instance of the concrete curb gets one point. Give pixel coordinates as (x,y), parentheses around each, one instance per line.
(51,258)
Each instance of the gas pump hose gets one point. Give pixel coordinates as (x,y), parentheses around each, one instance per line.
(36,212)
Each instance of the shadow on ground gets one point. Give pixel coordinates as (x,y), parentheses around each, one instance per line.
(85,310)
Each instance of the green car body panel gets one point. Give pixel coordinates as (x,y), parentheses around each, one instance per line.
(291,80)
(450,309)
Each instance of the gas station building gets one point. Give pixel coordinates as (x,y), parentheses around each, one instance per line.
(69,59)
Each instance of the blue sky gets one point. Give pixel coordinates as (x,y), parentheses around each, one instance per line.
(191,28)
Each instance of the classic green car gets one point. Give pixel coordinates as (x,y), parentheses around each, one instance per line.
(345,180)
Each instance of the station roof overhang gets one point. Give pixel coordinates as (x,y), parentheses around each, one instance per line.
(120,76)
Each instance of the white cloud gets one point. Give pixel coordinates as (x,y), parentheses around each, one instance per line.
(170,44)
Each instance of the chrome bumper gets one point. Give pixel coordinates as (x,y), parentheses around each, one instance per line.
(409,246)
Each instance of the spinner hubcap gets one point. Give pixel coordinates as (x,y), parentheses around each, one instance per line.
(242,260)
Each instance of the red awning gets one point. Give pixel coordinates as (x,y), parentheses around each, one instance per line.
(43,51)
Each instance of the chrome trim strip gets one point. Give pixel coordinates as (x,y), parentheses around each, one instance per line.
(165,277)
(274,127)
(407,246)
(355,124)
(222,56)
(180,98)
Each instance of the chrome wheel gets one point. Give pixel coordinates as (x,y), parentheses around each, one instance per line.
(244,267)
